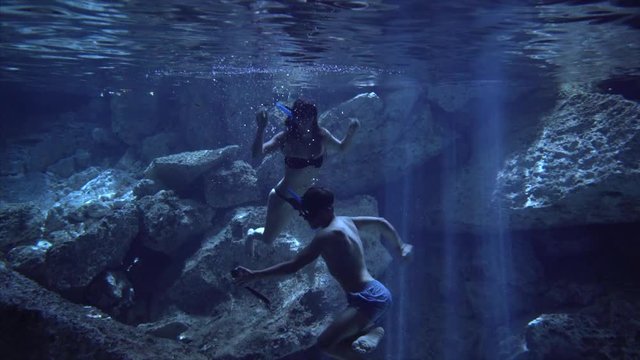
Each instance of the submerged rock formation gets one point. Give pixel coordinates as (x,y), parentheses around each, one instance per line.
(39,324)
(178,171)
(610,333)
(580,168)
(168,221)
(232,185)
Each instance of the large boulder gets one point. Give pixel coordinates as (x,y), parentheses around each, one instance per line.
(73,261)
(39,324)
(239,325)
(582,169)
(179,171)
(231,185)
(168,221)
(581,336)
(88,197)
(85,232)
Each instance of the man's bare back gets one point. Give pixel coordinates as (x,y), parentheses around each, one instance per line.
(342,251)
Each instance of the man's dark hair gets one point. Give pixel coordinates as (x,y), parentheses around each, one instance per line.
(317,198)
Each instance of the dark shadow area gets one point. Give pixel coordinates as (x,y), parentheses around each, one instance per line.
(627,86)
(23,109)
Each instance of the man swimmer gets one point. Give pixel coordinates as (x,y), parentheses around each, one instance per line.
(356,330)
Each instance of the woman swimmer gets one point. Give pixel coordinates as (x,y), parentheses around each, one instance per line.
(304,144)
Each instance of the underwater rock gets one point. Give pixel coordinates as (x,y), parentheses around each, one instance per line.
(111,292)
(19,223)
(231,185)
(168,221)
(227,321)
(581,336)
(87,230)
(73,262)
(79,179)
(30,260)
(39,324)
(582,169)
(178,171)
(206,274)
(94,199)
(145,187)
(169,328)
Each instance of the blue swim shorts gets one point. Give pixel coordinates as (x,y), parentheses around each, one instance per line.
(374,300)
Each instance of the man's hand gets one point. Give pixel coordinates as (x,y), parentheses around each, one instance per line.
(406,252)
(261,119)
(354,124)
(241,275)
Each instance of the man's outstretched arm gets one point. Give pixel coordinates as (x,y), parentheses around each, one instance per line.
(303,258)
(387,231)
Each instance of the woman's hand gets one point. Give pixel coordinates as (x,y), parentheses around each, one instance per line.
(261,119)
(354,124)
(241,275)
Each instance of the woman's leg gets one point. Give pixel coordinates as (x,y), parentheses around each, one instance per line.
(278,216)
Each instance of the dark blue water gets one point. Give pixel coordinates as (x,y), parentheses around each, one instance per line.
(58,56)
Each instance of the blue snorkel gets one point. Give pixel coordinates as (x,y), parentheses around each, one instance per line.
(295,196)
(296,202)
(284,109)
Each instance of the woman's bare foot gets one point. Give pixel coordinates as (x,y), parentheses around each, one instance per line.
(369,341)
(250,240)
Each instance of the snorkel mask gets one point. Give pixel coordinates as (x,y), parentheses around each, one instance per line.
(284,109)
(301,110)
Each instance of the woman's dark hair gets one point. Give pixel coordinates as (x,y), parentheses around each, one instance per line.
(302,108)
(317,198)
